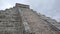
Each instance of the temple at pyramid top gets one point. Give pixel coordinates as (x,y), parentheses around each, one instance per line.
(22,5)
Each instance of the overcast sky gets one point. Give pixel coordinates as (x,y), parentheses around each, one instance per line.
(50,8)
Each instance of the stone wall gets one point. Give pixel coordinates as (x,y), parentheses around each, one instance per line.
(10,22)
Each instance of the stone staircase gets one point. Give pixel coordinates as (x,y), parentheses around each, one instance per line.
(40,24)
(52,22)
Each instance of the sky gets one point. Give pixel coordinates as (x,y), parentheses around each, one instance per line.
(50,8)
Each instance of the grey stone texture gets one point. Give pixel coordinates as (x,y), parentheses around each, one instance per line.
(22,20)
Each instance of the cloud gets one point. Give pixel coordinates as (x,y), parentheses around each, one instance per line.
(8,3)
(50,8)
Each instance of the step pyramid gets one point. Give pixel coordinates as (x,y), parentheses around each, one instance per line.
(22,20)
